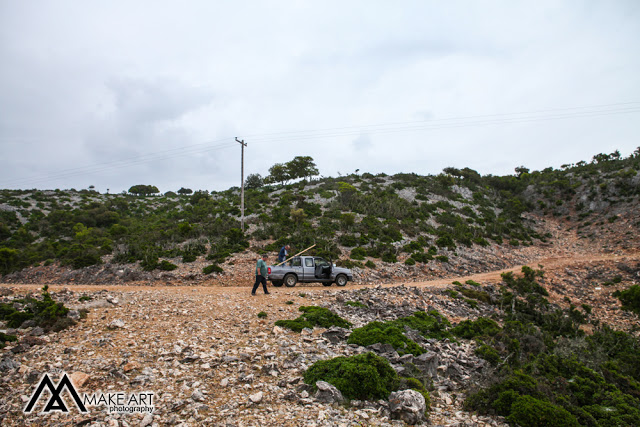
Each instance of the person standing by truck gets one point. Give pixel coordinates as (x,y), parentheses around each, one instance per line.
(283,253)
(261,275)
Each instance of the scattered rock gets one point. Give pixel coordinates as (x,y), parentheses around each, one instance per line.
(256,398)
(116,324)
(327,393)
(408,406)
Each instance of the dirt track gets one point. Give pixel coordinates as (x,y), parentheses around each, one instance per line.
(549,264)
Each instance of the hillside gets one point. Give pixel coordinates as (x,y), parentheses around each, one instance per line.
(387,228)
(478,300)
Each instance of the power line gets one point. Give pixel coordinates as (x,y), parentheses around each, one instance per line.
(425,121)
(421,125)
(100,167)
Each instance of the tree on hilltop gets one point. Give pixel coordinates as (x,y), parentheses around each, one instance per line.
(143,190)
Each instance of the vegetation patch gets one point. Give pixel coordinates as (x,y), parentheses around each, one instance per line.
(46,313)
(630,298)
(549,372)
(356,304)
(385,333)
(262,315)
(475,294)
(470,329)
(4,338)
(430,325)
(363,377)
(213,268)
(314,316)
(166,265)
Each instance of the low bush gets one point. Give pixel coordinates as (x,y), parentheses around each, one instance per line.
(473,328)
(528,411)
(475,294)
(488,353)
(358,253)
(385,333)
(363,377)
(46,313)
(4,338)
(314,316)
(262,315)
(356,304)
(166,265)
(213,268)
(630,298)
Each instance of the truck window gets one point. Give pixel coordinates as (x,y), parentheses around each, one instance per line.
(296,262)
(308,262)
(321,262)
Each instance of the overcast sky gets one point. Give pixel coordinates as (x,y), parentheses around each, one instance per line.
(117,93)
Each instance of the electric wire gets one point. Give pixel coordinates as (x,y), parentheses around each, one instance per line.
(383,128)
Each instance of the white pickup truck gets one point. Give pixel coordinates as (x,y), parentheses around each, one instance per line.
(308,269)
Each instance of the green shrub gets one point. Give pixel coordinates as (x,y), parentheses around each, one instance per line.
(422,257)
(85,298)
(410,261)
(289,302)
(364,376)
(389,257)
(472,328)
(475,294)
(314,316)
(262,315)
(358,253)
(488,353)
(385,333)
(188,257)
(166,265)
(45,312)
(213,268)
(442,258)
(370,264)
(528,411)
(6,338)
(472,303)
(630,298)
(356,304)
(430,325)
(451,293)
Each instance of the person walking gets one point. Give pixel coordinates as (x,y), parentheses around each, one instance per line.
(283,253)
(261,275)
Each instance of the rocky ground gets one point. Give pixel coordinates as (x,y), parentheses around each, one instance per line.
(210,360)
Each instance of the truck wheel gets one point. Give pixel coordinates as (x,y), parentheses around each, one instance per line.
(277,284)
(290,280)
(341,280)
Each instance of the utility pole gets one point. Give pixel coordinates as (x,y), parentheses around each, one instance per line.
(242,183)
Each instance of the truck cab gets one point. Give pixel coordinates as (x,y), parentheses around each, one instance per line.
(308,269)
